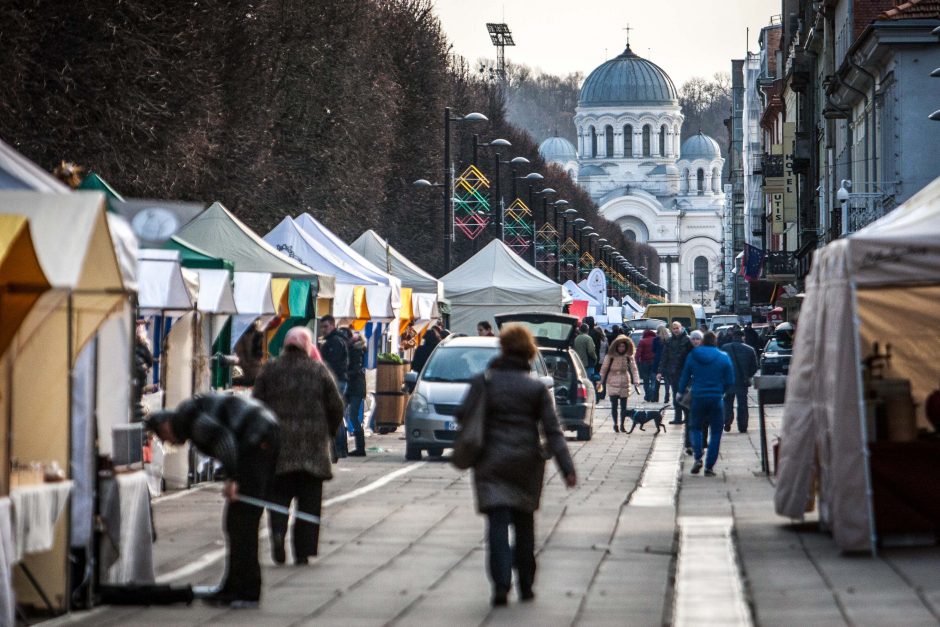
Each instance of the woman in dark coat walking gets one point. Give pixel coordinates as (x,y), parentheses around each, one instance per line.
(509,474)
(303,394)
(356,389)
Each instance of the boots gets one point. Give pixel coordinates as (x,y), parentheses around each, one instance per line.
(614,418)
(360,436)
(623,427)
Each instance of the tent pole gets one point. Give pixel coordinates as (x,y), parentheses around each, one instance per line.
(866,455)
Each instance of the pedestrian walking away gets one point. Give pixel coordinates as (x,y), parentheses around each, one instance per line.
(584,346)
(336,357)
(711,374)
(675,351)
(659,343)
(645,358)
(744,360)
(243,435)
(509,473)
(356,389)
(301,392)
(619,375)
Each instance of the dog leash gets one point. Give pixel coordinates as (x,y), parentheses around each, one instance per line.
(280,509)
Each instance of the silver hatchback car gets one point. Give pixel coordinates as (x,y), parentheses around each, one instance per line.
(430,423)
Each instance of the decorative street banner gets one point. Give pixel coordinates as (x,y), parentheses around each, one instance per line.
(789,178)
(471,206)
(518,226)
(546,245)
(569,257)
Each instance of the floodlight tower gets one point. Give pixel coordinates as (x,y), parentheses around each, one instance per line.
(501,37)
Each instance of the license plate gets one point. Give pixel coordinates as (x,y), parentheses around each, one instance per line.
(450,425)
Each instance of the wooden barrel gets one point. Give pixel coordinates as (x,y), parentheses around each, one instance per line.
(389,411)
(389,377)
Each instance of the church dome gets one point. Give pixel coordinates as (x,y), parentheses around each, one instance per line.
(700,146)
(628,80)
(558,149)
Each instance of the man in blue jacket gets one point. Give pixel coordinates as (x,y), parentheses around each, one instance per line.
(712,377)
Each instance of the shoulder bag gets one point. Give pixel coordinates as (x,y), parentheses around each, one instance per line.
(468,446)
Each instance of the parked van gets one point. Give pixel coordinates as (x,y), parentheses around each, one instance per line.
(688,315)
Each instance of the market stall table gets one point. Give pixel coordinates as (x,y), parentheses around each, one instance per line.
(36,509)
(127,551)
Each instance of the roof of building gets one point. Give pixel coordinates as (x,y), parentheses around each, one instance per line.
(627,79)
(913,9)
(591,170)
(700,146)
(558,149)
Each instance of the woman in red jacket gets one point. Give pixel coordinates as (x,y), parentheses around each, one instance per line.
(645,358)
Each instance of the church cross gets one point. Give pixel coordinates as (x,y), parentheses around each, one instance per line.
(628,29)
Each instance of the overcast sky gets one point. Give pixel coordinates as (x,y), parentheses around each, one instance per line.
(685,37)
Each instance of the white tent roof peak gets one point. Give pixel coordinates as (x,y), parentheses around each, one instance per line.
(18,172)
(377,250)
(293,241)
(221,234)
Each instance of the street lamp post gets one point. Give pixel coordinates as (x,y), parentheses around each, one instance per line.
(514,163)
(544,193)
(449,179)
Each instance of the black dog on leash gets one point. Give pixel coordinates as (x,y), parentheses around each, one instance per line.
(642,416)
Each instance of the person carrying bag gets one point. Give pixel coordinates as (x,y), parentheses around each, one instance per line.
(503,419)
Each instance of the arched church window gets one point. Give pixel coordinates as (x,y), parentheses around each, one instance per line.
(609,140)
(701,182)
(716,180)
(701,274)
(647,131)
(662,140)
(630,235)
(684,183)
(593,142)
(628,140)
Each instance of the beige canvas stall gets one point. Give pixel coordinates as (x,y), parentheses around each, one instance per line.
(882,283)
(77,254)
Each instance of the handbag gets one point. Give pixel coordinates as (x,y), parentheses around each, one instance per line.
(468,445)
(684,400)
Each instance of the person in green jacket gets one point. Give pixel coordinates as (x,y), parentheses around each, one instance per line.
(584,347)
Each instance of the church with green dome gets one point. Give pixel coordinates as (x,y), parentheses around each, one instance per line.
(661,191)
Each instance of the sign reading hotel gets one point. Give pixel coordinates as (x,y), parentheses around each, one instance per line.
(789,178)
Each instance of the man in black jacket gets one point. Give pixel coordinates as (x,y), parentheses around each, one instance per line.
(744,360)
(675,350)
(243,435)
(335,354)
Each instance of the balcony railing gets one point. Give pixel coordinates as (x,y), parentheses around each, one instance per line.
(780,265)
(862,209)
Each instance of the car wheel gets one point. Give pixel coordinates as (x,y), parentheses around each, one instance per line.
(412,453)
(435,451)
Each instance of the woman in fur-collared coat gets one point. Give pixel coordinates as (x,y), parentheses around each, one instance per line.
(302,392)
(619,375)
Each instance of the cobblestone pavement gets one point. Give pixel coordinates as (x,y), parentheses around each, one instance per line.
(631,545)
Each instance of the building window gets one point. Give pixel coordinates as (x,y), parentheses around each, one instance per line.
(684,183)
(662,140)
(647,131)
(701,274)
(701,182)
(593,143)
(630,235)
(628,140)
(609,140)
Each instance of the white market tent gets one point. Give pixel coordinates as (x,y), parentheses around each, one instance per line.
(383,306)
(222,235)
(19,173)
(633,308)
(496,280)
(880,284)
(378,251)
(300,245)
(164,285)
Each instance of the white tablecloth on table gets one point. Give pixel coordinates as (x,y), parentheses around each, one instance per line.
(7,559)
(36,508)
(133,562)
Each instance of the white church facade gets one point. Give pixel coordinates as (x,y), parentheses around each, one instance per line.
(659,191)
